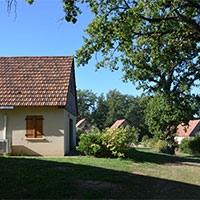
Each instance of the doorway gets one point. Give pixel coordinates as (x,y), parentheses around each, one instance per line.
(71,145)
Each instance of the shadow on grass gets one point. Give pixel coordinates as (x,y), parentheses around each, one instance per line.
(29,178)
(142,155)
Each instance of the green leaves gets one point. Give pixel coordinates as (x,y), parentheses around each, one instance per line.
(103,111)
(86,100)
(71,10)
(109,143)
(118,141)
(164,114)
(29,1)
(146,38)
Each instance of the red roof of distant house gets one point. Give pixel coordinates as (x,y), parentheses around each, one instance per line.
(186,130)
(79,123)
(35,81)
(118,123)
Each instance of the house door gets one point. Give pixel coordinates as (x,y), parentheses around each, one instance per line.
(71,147)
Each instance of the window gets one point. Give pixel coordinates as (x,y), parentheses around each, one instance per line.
(34,126)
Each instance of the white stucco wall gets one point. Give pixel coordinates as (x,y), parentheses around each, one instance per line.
(179,139)
(55,130)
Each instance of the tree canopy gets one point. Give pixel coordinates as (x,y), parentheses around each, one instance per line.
(102,111)
(86,101)
(155,41)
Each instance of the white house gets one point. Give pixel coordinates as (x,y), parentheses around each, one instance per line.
(189,130)
(38,105)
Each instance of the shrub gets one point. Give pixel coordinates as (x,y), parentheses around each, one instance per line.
(119,140)
(79,131)
(184,146)
(94,130)
(109,143)
(90,144)
(194,145)
(145,138)
(162,146)
(152,142)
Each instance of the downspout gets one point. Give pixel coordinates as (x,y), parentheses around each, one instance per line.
(5,127)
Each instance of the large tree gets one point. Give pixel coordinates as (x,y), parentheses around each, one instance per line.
(135,114)
(101,112)
(86,100)
(163,117)
(117,106)
(155,42)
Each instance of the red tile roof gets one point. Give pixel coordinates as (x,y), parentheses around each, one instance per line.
(186,130)
(35,81)
(118,123)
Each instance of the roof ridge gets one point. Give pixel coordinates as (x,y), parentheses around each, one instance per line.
(35,56)
(120,120)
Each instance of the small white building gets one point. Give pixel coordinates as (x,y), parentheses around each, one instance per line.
(38,105)
(189,130)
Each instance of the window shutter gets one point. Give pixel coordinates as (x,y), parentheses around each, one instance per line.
(39,127)
(30,127)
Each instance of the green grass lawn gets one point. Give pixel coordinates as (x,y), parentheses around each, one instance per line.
(145,174)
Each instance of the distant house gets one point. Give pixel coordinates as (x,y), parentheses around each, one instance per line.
(120,123)
(84,124)
(38,105)
(189,130)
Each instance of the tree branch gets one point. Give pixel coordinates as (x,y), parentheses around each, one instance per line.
(158,19)
(169,79)
(126,4)
(189,21)
(187,75)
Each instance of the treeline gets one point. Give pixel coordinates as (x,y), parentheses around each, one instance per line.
(104,110)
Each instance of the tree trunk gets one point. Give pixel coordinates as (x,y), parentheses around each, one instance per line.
(171,149)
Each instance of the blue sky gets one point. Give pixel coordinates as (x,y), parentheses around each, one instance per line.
(37,31)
